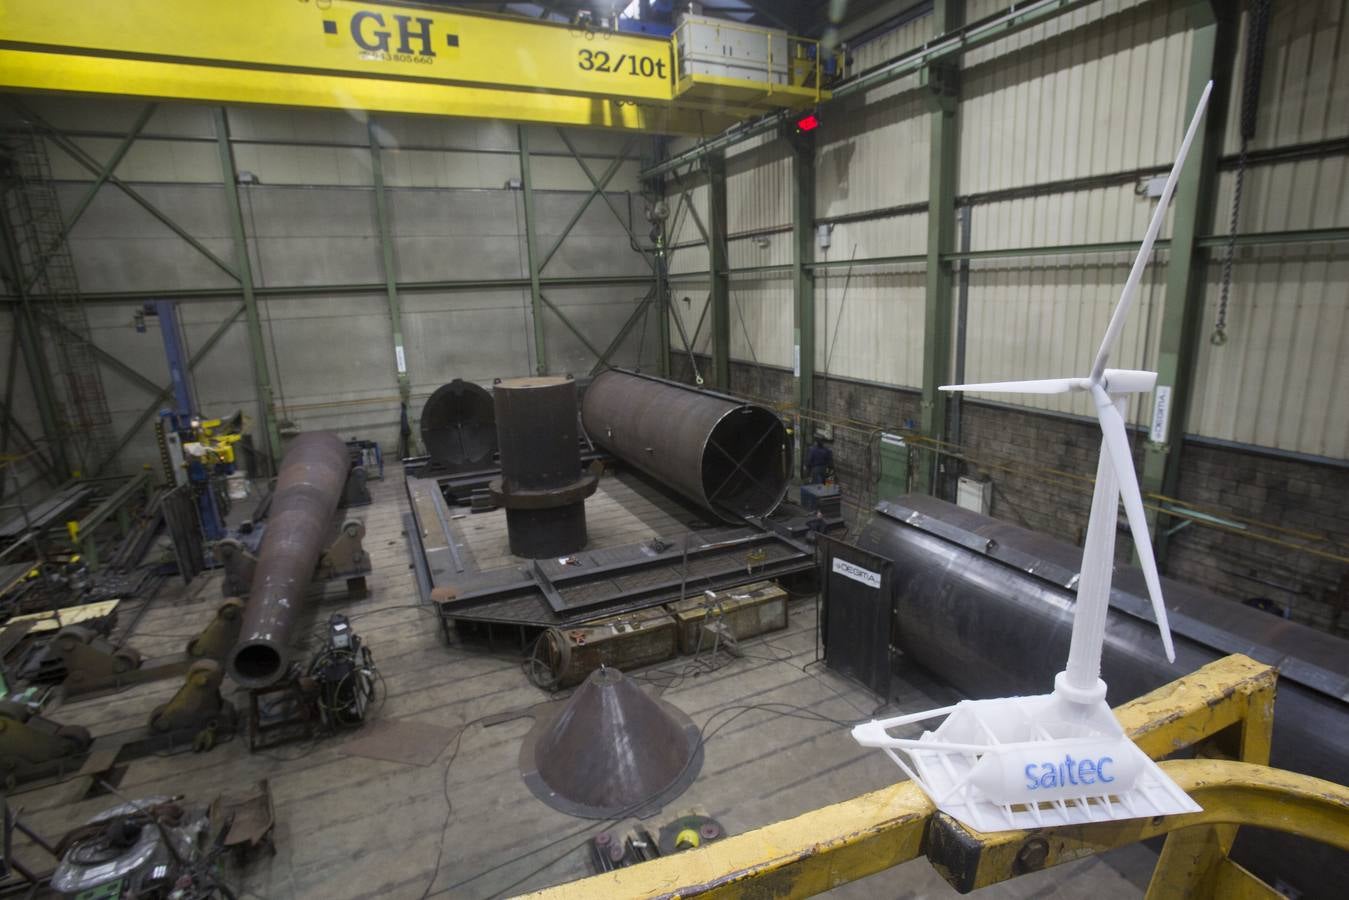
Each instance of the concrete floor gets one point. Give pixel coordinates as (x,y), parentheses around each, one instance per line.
(465,825)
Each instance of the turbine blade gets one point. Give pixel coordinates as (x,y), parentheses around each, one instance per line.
(1116,443)
(1145,250)
(1045,386)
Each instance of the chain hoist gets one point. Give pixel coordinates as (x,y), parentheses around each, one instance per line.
(1250,102)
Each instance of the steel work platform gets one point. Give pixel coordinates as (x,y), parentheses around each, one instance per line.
(645,548)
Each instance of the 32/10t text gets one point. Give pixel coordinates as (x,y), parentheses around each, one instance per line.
(621,64)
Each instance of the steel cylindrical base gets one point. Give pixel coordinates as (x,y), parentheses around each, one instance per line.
(541,485)
(540,533)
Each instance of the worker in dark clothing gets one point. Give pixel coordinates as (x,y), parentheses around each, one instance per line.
(819,459)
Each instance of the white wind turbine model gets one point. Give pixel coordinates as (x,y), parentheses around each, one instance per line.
(1060,758)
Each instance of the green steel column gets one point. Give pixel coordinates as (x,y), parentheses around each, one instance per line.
(1213,27)
(532,254)
(942,83)
(390,266)
(258,349)
(718,262)
(803,281)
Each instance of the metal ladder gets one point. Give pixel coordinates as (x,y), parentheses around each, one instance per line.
(31,208)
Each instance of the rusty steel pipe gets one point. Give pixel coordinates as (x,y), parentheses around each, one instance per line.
(728,456)
(308,489)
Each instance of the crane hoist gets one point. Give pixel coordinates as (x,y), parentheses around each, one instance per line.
(406,58)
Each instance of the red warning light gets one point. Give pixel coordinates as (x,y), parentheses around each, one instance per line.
(808,123)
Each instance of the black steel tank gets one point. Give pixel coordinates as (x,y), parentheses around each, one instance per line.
(541,486)
(968,608)
(731,457)
(313,473)
(458,427)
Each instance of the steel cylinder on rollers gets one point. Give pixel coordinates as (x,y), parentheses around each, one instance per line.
(541,486)
(966,608)
(730,457)
(308,489)
(459,426)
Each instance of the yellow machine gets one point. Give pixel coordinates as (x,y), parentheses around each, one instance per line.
(404,58)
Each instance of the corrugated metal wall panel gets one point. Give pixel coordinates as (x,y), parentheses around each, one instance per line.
(761,304)
(870,326)
(977,10)
(873,157)
(886,47)
(1282,377)
(1101,93)
(1099,215)
(1305,85)
(698,294)
(1291,196)
(1043,317)
(1106,97)
(759,188)
(892,43)
(685,217)
(761,320)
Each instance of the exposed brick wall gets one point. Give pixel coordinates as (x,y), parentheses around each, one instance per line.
(858,411)
(1289,493)
(1021,450)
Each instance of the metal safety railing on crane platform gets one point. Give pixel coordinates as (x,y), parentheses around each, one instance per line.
(1222,714)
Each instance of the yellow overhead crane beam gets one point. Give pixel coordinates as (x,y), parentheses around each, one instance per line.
(377,57)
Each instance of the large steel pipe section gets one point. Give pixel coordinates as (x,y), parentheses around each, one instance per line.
(992,629)
(541,486)
(313,472)
(730,457)
(459,426)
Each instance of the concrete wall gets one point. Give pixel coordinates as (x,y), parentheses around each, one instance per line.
(314,248)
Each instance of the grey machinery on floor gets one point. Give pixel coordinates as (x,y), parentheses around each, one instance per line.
(541,486)
(313,473)
(731,457)
(987,606)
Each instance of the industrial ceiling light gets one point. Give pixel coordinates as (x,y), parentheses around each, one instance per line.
(1060,758)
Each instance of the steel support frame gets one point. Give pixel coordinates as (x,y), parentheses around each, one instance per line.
(388,263)
(1213,28)
(941,83)
(258,350)
(803,281)
(108,168)
(1223,710)
(685,202)
(532,253)
(56,463)
(75,152)
(718,263)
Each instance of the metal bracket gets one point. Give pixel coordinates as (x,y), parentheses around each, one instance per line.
(942,83)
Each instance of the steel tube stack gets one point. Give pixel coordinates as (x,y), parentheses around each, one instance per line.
(730,457)
(308,489)
(541,486)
